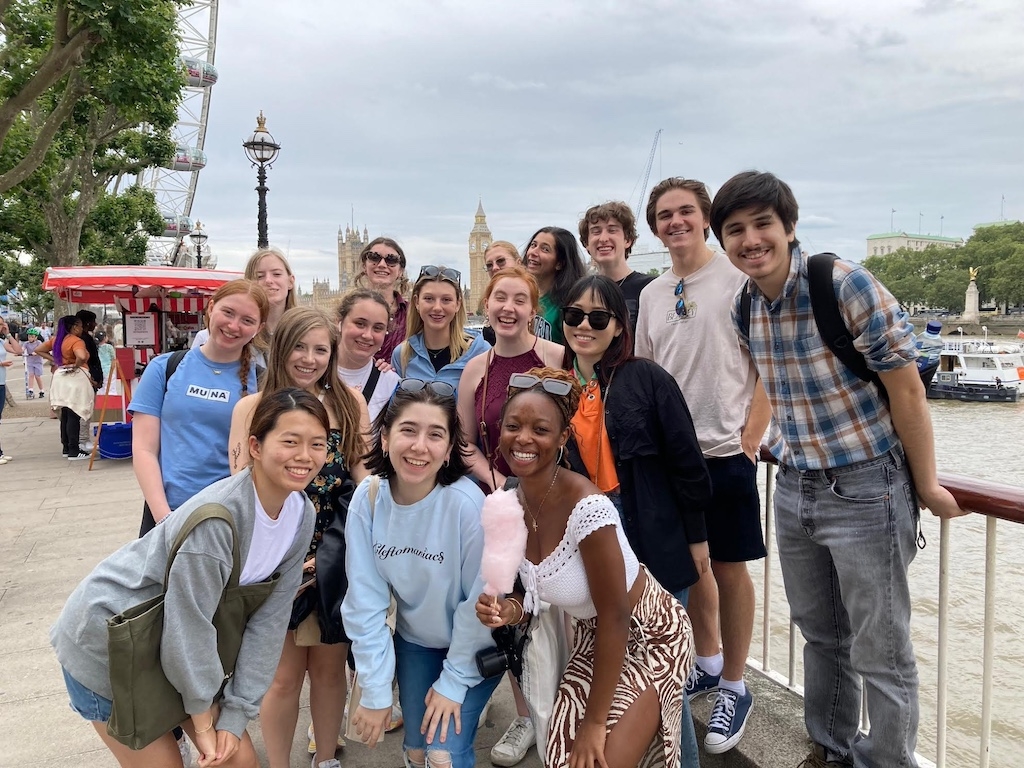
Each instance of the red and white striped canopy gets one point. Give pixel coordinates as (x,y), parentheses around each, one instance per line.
(104,285)
(193,305)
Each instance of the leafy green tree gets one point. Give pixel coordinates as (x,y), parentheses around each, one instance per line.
(55,53)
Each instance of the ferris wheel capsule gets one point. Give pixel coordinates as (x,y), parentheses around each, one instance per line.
(176,226)
(187,159)
(198,73)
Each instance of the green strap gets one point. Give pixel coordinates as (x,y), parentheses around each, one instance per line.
(198,515)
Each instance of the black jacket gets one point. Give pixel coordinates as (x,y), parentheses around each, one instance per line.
(663,479)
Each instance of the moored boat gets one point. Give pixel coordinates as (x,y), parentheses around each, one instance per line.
(979,371)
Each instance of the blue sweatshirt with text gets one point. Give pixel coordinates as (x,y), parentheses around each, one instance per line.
(428,556)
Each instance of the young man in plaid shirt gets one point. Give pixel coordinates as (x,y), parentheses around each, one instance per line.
(845,504)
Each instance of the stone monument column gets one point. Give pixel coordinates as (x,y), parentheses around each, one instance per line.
(972,300)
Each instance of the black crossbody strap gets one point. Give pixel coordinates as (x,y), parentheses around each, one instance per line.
(371,383)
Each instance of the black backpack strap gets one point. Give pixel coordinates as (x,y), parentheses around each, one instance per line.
(371,383)
(172,365)
(829,319)
(745,310)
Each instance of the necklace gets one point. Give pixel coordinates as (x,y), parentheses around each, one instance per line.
(434,353)
(522,495)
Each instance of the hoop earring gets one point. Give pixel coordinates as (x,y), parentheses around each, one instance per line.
(385,454)
(561,453)
(445,464)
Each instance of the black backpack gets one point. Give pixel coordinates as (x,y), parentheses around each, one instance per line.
(829,319)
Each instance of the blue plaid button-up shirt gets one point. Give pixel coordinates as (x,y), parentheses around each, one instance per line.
(823,415)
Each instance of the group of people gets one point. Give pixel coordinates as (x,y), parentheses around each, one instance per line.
(623,412)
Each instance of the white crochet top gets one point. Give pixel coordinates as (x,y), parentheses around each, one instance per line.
(560,578)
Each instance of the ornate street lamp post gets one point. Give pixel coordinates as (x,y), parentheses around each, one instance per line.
(262,150)
(199,239)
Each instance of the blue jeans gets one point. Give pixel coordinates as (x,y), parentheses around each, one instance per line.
(846,540)
(417,669)
(87,702)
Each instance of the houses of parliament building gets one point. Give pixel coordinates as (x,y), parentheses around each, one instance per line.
(351,243)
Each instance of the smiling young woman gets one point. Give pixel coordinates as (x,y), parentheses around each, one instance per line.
(304,354)
(511,303)
(414,532)
(363,317)
(622,690)
(553,258)
(181,424)
(437,345)
(273,520)
(383,264)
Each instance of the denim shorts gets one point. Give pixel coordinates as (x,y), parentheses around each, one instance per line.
(85,702)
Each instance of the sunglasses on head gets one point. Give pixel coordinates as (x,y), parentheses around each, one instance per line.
(681,299)
(439,388)
(391,259)
(445,273)
(598,318)
(555,387)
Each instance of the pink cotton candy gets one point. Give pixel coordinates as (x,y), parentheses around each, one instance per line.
(504,541)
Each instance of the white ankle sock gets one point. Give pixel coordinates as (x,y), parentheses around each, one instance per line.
(736,686)
(711,664)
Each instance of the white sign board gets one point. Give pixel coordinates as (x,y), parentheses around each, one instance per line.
(140,330)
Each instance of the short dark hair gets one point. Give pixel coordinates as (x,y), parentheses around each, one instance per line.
(613,210)
(378,463)
(698,188)
(757,190)
(285,400)
(610,294)
(86,316)
(567,253)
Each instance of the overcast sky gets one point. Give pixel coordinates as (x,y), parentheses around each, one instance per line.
(411,111)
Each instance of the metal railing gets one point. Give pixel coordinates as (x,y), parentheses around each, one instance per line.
(996,502)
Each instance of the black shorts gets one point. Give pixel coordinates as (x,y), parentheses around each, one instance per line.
(733,518)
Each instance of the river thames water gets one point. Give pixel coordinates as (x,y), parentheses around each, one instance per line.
(985,441)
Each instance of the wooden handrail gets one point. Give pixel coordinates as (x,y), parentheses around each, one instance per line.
(982,497)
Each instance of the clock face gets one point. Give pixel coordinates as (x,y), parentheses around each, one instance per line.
(484,245)
(472,246)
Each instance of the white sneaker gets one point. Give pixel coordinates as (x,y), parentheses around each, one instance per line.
(515,743)
(332,763)
(4,459)
(85,447)
(186,751)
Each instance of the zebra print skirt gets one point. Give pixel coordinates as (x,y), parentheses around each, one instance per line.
(659,655)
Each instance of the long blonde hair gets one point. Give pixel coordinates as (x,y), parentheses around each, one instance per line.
(252,268)
(339,399)
(458,339)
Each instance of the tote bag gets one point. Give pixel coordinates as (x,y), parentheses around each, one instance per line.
(145,704)
(544,660)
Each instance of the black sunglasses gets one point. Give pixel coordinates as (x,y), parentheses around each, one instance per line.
(445,273)
(439,388)
(681,299)
(376,258)
(555,387)
(598,318)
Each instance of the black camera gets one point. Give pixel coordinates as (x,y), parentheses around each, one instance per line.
(510,643)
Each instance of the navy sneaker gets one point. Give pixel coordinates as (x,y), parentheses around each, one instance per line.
(700,682)
(728,720)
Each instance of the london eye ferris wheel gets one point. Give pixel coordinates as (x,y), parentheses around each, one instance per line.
(174,186)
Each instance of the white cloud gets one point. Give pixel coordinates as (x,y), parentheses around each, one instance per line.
(411,112)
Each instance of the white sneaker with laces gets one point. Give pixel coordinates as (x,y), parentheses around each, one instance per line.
(332,763)
(515,743)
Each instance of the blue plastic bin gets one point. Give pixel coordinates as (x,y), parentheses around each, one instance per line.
(116,441)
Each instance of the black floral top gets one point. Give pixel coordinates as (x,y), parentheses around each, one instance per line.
(330,491)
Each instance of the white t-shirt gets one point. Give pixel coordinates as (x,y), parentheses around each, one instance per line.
(386,385)
(702,350)
(271,539)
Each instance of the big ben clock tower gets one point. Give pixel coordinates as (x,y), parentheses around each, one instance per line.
(479,239)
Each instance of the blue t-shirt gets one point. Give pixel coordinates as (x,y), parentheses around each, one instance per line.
(195,419)
(420,366)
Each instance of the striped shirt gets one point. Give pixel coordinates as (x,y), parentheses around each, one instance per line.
(824,416)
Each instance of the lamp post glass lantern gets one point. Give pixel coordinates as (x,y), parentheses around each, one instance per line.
(199,238)
(262,150)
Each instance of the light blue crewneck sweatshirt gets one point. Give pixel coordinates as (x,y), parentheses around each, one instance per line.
(428,555)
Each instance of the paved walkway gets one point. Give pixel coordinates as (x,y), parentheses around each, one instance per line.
(57,520)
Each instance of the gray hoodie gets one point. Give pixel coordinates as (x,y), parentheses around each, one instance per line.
(201,569)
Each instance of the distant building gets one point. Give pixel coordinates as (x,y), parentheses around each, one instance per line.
(879,245)
(321,297)
(350,245)
(987,224)
(479,239)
